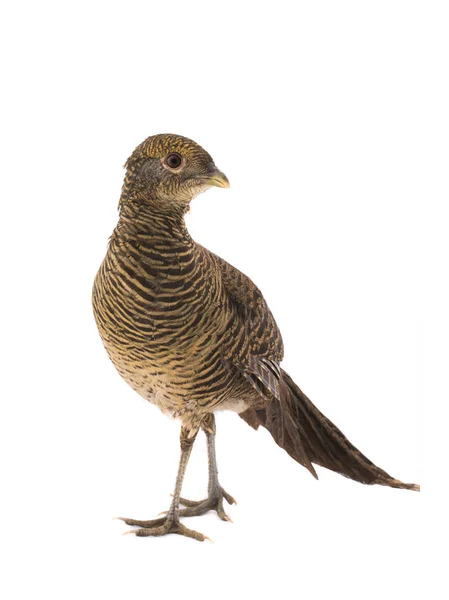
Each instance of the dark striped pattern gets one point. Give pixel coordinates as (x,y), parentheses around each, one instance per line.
(167,321)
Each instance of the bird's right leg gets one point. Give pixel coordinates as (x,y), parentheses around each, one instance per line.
(170,523)
(216,493)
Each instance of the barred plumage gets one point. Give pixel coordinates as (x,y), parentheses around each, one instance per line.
(165,321)
(192,334)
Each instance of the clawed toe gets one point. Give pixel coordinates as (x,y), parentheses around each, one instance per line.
(196,508)
(163,526)
(191,503)
(137,523)
(169,523)
(229,499)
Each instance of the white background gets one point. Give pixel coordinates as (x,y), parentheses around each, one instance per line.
(325,117)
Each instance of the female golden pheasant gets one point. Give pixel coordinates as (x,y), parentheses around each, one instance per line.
(192,334)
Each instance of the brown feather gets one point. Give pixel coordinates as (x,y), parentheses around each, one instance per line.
(309,437)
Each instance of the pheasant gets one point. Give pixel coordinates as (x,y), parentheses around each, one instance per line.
(193,335)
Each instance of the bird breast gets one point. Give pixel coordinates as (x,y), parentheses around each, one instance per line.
(161,319)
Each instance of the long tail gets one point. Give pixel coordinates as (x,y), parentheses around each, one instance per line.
(309,437)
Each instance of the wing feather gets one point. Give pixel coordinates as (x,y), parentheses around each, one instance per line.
(259,356)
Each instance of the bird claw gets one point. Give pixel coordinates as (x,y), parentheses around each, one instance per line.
(225,517)
(218,493)
(159,527)
(196,508)
(229,499)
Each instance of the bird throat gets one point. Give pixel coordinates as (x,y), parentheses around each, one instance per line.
(147,220)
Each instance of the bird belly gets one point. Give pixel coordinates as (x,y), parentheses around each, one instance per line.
(234,404)
(169,378)
(183,375)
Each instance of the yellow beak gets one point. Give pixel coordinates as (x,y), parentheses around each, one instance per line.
(218,179)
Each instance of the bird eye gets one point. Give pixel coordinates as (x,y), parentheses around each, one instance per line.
(173,160)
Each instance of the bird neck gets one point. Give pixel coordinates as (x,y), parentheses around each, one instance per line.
(142,220)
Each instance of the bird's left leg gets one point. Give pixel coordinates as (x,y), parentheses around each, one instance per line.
(170,523)
(216,493)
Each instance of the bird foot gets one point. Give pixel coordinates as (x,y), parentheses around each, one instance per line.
(163,526)
(195,508)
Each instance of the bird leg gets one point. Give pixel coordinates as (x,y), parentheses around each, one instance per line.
(216,493)
(170,523)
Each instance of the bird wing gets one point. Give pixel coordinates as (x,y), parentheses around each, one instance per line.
(256,346)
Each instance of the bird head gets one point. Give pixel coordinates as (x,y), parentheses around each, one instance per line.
(168,171)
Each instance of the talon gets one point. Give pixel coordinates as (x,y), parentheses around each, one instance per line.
(196,508)
(229,499)
(225,517)
(190,503)
(158,527)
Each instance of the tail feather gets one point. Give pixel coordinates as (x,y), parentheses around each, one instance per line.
(310,438)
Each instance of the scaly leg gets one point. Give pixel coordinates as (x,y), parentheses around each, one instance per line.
(216,493)
(170,523)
